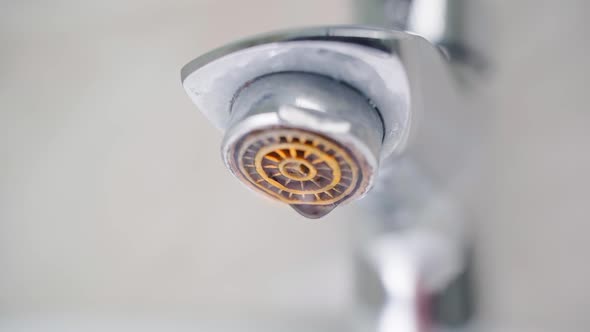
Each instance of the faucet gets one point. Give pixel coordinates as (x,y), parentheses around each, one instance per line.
(324,116)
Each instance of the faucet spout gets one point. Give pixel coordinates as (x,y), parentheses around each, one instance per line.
(308,115)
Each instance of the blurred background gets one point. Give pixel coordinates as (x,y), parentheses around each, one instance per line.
(116,212)
(114,201)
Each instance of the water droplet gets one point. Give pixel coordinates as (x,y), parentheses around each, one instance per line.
(313,211)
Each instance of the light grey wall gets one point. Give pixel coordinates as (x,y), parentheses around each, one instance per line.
(113,196)
(534,212)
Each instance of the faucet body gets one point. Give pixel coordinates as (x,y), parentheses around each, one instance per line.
(317,117)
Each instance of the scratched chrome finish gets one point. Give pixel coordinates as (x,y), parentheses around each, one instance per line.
(376,62)
(387,78)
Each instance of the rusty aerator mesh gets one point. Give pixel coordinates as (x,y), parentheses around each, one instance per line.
(306,170)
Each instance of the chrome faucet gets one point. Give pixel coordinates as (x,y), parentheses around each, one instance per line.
(324,116)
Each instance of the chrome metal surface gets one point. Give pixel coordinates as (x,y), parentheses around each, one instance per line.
(441,22)
(371,60)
